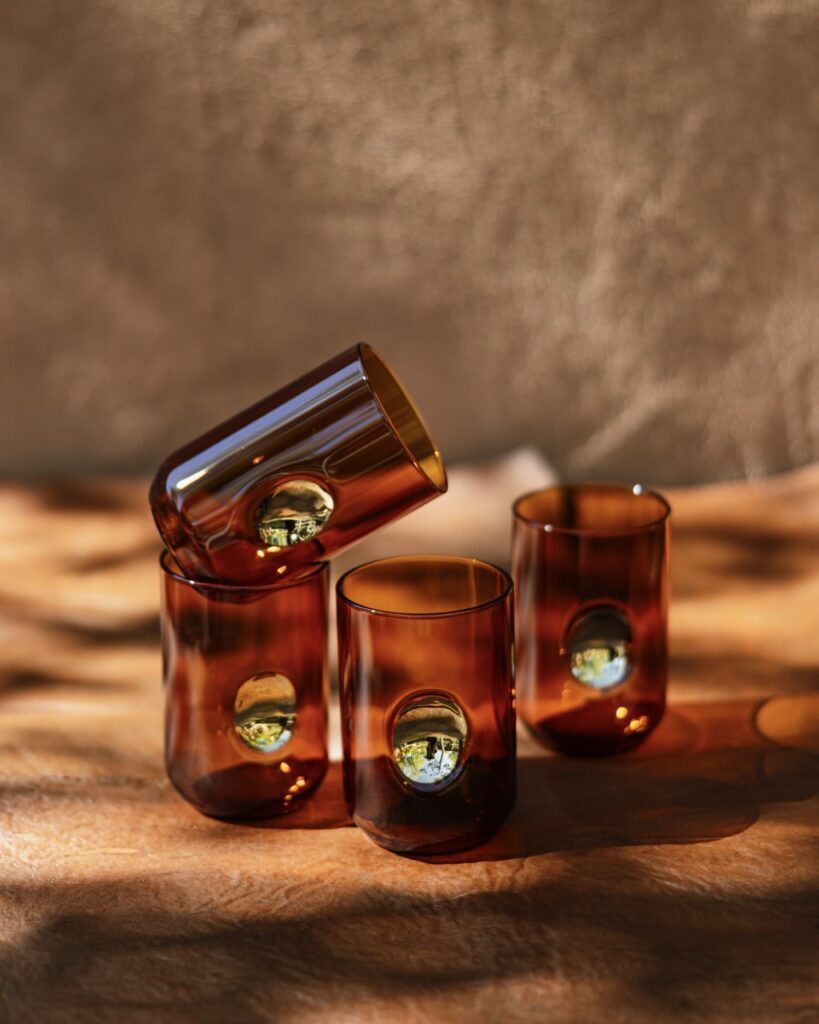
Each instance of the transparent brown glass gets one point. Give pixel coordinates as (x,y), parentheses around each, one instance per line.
(299,476)
(245,672)
(427,701)
(590,565)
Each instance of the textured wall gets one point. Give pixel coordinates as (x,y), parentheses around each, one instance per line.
(592,226)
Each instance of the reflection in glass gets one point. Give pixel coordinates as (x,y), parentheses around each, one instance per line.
(598,648)
(296,511)
(428,740)
(265,712)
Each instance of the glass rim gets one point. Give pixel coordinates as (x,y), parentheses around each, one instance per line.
(505,577)
(212,586)
(363,347)
(634,490)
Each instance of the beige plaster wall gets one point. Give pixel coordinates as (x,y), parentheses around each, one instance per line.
(592,226)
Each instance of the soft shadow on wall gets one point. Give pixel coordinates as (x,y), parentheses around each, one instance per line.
(589,228)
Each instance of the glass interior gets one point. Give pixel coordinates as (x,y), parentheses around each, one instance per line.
(593,508)
(424,585)
(404,417)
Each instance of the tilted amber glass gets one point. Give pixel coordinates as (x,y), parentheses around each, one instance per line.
(245,672)
(299,476)
(590,565)
(427,701)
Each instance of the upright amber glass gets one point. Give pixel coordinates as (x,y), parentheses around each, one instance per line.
(245,692)
(298,476)
(427,709)
(590,566)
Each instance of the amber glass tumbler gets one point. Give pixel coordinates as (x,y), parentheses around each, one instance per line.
(298,476)
(590,565)
(427,705)
(245,673)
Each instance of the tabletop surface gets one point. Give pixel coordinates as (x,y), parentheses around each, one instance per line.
(678,882)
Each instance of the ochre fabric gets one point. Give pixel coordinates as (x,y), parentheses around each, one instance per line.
(677,882)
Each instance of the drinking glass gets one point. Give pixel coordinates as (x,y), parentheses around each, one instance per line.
(298,476)
(427,701)
(590,565)
(245,672)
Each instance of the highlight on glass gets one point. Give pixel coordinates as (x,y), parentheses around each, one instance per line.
(590,565)
(427,701)
(245,671)
(298,476)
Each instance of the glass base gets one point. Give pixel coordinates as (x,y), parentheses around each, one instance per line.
(589,732)
(457,818)
(429,849)
(251,791)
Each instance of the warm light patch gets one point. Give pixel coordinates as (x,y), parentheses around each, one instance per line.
(637,724)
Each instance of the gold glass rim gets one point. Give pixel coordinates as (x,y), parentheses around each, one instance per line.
(403,417)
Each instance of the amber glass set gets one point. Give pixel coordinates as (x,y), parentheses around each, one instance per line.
(250,513)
